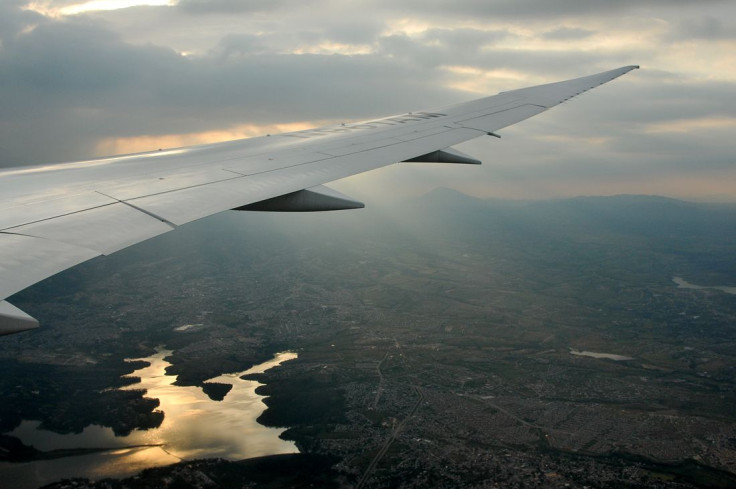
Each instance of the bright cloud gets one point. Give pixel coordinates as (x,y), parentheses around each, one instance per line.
(51,8)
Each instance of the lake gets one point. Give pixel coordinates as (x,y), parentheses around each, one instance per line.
(682,284)
(593,354)
(194,426)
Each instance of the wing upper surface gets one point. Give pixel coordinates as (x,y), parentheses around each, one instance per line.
(56,216)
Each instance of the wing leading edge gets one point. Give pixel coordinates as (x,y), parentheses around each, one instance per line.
(56,216)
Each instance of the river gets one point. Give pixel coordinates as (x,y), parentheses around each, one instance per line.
(194,426)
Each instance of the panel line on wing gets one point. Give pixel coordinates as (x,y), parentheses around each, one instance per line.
(144,211)
(105,229)
(235,172)
(10,229)
(122,194)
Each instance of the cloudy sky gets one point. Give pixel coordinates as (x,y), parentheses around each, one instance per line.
(81,79)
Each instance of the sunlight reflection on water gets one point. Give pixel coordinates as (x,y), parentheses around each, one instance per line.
(194,426)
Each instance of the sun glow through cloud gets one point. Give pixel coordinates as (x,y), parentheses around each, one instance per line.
(47,8)
(476,80)
(143,143)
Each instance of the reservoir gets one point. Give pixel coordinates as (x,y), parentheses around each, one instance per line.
(682,284)
(593,354)
(194,426)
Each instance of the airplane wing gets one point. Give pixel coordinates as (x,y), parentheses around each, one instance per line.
(54,217)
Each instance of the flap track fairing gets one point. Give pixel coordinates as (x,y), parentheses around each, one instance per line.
(447,155)
(13,320)
(314,199)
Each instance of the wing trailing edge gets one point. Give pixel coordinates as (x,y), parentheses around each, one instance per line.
(447,155)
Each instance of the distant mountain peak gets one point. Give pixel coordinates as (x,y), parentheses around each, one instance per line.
(445,192)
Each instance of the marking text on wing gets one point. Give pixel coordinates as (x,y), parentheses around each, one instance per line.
(344,128)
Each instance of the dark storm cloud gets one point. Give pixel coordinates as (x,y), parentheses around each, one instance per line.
(352,30)
(707,28)
(58,83)
(516,9)
(76,59)
(477,9)
(567,34)
(13,19)
(228,6)
(240,45)
(66,84)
